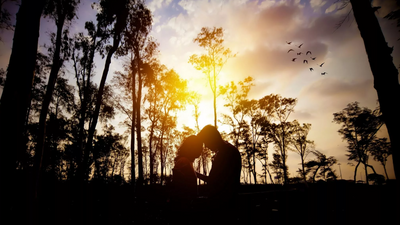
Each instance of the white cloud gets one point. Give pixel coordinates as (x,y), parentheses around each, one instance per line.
(317,4)
(332,8)
(188,5)
(154,5)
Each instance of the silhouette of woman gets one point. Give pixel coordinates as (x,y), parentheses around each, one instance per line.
(184,180)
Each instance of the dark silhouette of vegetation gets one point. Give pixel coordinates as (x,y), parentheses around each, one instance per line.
(5,16)
(16,94)
(279,129)
(359,127)
(58,131)
(323,165)
(380,149)
(386,81)
(62,12)
(115,14)
(301,145)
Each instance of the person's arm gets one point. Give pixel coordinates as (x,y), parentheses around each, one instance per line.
(202,177)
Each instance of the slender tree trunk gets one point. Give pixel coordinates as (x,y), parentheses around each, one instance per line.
(384,168)
(366,173)
(138,119)
(151,155)
(270,176)
(302,168)
(161,155)
(254,164)
(283,153)
(133,163)
(215,99)
(315,173)
(57,63)
(355,172)
(99,99)
(84,102)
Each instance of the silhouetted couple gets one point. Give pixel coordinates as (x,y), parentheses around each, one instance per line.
(224,177)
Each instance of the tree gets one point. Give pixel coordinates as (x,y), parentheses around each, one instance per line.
(83,54)
(174,96)
(235,96)
(322,162)
(380,150)
(277,166)
(386,81)
(257,115)
(262,155)
(153,113)
(302,146)
(116,13)
(143,49)
(16,94)
(211,63)
(62,12)
(358,127)
(278,127)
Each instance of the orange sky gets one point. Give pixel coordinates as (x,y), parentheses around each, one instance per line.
(257,31)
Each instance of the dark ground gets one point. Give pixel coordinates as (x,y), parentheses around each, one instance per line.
(338,202)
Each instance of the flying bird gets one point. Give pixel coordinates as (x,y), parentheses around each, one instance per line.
(313,58)
(290,50)
(305,61)
(293,59)
(321,64)
(289,42)
(324,73)
(311,69)
(300,45)
(299,53)
(308,52)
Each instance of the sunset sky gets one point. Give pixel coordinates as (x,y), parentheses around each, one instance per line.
(258,31)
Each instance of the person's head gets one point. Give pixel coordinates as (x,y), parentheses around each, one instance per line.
(190,148)
(211,137)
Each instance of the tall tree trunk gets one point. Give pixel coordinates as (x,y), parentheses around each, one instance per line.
(16,96)
(302,168)
(254,164)
(283,153)
(133,95)
(57,63)
(384,168)
(385,75)
(366,173)
(138,118)
(151,155)
(269,173)
(84,101)
(355,172)
(161,155)
(99,100)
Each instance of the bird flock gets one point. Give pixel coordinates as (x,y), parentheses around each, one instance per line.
(306,58)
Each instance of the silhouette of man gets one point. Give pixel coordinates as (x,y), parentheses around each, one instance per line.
(224,178)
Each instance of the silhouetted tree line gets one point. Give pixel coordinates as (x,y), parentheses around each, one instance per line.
(50,127)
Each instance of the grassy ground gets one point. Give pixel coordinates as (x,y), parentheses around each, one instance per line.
(324,203)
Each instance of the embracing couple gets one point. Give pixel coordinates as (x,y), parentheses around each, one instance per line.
(224,177)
